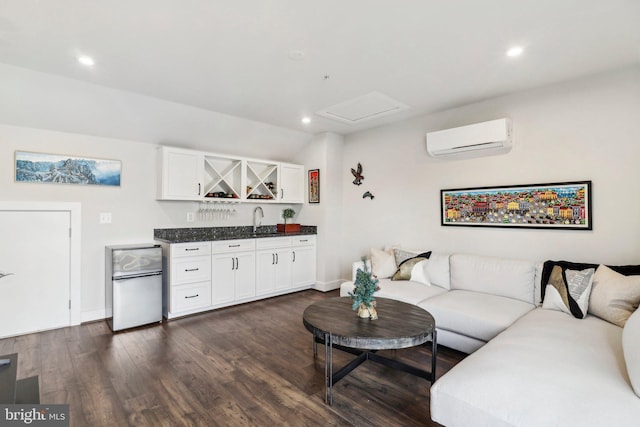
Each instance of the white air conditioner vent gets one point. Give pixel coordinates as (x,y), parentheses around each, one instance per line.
(480,139)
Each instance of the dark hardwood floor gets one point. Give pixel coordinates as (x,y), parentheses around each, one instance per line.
(251,364)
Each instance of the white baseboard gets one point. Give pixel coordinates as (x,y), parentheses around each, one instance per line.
(328,286)
(93,315)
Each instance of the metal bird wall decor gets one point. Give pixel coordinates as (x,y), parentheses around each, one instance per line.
(368,194)
(357,173)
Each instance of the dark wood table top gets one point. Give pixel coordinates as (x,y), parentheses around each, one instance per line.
(399,325)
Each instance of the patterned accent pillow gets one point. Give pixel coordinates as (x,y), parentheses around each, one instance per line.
(404,269)
(568,291)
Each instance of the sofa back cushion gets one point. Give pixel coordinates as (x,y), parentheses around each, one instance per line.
(631,349)
(509,278)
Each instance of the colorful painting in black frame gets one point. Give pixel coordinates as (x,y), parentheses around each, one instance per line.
(564,205)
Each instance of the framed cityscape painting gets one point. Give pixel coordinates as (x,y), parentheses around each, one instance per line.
(565,205)
(63,169)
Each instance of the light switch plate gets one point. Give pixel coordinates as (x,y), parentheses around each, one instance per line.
(105,218)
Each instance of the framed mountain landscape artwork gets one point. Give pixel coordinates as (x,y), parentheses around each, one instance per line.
(64,169)
(565,205)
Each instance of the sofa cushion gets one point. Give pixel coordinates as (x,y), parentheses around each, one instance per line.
(614,296)
(568,291)
(406,291)
(492,275)
(547,369)
(631,348)
(474,314)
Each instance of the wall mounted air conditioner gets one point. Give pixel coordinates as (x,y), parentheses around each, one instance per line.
(481,139)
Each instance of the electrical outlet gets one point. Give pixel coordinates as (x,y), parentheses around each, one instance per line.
(191,217)
(105,218)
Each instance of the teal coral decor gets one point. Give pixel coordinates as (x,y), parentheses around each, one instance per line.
(362,295)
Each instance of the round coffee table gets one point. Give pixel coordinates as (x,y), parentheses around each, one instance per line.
(400,325)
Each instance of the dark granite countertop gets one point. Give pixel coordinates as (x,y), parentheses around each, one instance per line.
(208,234)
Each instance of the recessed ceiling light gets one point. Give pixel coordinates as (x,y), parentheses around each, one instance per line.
(87,61)
(306,120)
(515,51)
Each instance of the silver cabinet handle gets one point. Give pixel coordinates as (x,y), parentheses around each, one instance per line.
(199,188)
(191,249)
(234,246)
(273,259)
(191,269)
(294,256)
(191,296)
(276,258)
(237,263)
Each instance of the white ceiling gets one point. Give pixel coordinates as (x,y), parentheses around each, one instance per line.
(233,56)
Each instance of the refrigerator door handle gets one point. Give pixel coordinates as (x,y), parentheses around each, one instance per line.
(135,276)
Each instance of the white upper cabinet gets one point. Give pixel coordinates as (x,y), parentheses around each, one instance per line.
(198,176)
(291,183)
(181,176)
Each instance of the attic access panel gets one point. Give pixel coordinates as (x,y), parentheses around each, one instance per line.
(364,108)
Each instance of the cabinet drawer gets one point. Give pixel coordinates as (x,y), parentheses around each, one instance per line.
(273,242)
(190,297)
(304,240)
(190,249)
(191,269)
(234,245)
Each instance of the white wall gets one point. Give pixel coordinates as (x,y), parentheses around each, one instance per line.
(133,205)
(586,129)
(46,113)
(325,153)
(44,101)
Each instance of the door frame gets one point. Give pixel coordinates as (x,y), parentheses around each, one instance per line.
(75,259)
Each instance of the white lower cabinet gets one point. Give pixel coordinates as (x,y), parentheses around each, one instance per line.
(203,276)
(187,278)
(273,270)
(233,276)
(303,256)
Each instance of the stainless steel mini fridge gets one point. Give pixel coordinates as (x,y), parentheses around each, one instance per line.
(133,285)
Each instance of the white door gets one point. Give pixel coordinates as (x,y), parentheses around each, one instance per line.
(245,275)
(291,183)
(304,266)
(34,271)
(265,272)
(223,277)
(283,269)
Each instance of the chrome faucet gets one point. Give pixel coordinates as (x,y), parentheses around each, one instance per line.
(257,222)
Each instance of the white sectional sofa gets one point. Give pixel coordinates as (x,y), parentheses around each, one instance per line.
(530,366)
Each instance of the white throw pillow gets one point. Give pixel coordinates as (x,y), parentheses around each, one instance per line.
(420,273)
(614,296)
(631,349)
(438,270)
(383,263)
